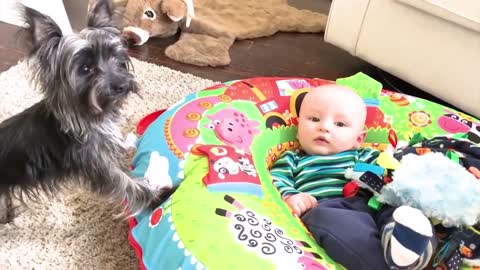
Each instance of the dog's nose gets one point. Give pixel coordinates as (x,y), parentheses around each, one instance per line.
(119,87)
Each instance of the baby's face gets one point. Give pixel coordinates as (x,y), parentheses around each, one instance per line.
(331,120)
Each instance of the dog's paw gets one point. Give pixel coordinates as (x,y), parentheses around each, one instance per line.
(161,197)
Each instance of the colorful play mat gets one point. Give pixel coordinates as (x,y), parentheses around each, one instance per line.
(218,144)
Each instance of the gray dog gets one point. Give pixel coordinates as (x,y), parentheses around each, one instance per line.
(73,132)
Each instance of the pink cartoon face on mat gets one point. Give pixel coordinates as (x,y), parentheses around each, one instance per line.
(232,127)
(453,123)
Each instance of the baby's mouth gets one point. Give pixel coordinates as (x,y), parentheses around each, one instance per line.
(321,139)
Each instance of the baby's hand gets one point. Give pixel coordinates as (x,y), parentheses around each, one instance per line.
(300,203)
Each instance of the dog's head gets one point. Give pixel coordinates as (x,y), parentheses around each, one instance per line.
(84,76)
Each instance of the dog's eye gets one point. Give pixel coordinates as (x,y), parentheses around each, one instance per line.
(85,69)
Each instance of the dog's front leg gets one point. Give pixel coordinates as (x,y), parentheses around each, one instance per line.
(139,193)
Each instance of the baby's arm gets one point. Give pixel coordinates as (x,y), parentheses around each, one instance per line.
(282,173)
(300,202)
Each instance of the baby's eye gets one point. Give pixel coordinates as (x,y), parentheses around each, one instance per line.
(314,119)
(340,124)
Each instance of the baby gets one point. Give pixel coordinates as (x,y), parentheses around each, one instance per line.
(330,132)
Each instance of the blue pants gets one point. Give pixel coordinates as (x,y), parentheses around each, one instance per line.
(349,231)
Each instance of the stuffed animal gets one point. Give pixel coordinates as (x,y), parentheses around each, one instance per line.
(435,176)
(209,27)
(441,188)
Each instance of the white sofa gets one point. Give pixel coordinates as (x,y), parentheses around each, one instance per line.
(432,44)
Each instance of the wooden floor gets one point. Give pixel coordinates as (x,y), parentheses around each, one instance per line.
(283,54)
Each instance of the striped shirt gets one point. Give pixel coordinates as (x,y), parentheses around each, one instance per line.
(320,176)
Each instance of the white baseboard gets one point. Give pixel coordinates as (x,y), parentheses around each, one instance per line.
(9,12)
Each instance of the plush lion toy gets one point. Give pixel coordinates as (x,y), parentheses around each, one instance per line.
(209,27)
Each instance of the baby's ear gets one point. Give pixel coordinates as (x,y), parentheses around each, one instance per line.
(361,138)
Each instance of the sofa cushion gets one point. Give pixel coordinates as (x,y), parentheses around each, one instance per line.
(464,13)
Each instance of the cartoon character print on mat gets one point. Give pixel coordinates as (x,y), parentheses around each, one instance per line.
(181,130)
(260,235)
(378,125)
(230,170)
(232,127)
(277,100)
(418,120)
(399,99)
(375,116)
(456,122)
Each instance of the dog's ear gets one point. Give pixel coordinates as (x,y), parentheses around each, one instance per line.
(101,14)
(42,29)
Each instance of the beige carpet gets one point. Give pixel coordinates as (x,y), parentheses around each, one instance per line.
(76,230)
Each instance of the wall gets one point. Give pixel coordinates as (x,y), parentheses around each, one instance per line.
(9,12)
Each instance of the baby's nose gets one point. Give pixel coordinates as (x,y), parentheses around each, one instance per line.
(325,126)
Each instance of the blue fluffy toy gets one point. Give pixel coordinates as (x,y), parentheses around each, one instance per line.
(441,188)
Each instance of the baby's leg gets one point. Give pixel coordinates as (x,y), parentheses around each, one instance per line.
(345,228)
(408,239)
